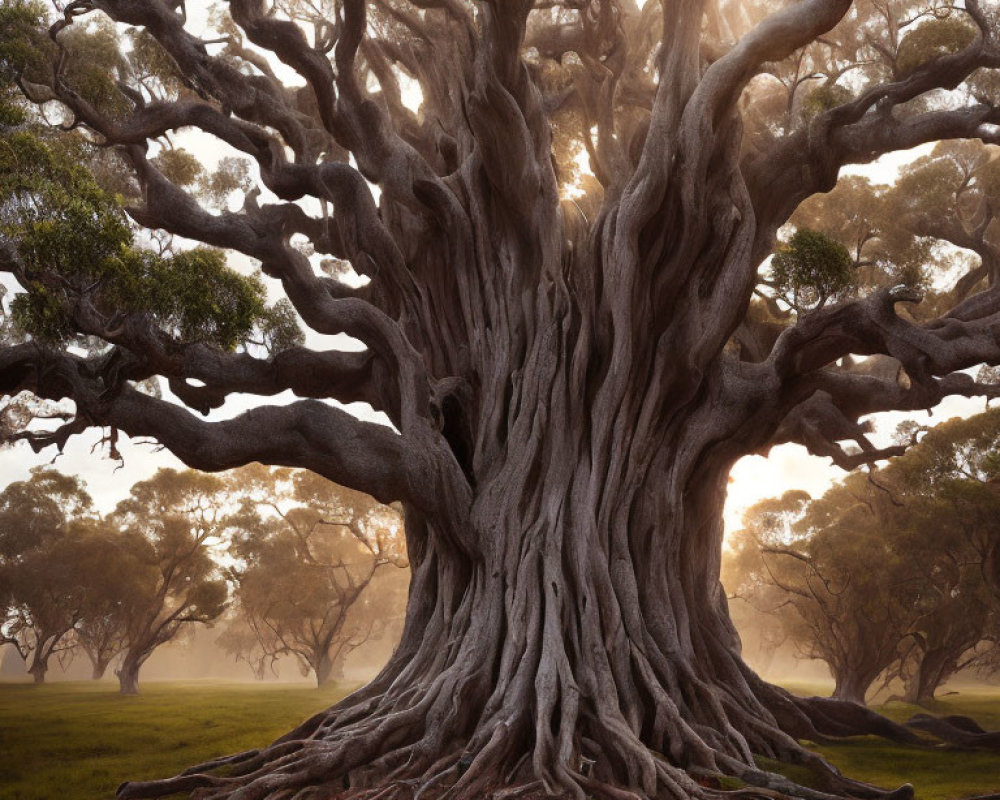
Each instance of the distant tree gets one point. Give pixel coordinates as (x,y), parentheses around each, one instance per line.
(888,574)
(310,554)
(40,592)
(824,569)
(946,528)
(168,524)
(104,573)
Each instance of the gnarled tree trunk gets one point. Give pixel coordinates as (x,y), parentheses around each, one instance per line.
(585,646)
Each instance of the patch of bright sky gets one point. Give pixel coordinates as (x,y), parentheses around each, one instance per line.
(753,478)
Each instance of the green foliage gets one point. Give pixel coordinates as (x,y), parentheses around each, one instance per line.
(932,40)
(193,294)
(73,238)
(827,96)
(24,45)
(178,166)
(812,267)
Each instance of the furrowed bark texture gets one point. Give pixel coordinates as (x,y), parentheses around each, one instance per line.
(567,409)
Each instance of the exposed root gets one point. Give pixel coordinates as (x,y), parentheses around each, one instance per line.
(387,756)
(958,731)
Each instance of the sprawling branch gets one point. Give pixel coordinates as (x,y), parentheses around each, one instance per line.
(776,38)
(306,434)
(824,403)
(808,160)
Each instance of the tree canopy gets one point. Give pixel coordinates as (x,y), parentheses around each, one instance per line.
(310,575)
(42,540)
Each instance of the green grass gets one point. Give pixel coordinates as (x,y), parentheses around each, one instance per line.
(78,741)
(936,774)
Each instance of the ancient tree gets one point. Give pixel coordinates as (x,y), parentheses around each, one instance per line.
(558,214)
(309,558)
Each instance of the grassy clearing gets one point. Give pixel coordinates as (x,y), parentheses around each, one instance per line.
(78,741)
(935,774)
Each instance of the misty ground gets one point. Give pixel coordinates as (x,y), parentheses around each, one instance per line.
(79,740)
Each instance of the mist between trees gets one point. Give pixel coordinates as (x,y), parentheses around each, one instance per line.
(283,566)
(892,577)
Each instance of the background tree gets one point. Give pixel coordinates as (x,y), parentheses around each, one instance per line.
(825,569)
(887,573)
(565,386)
(949,526)
(309,553)
(105,574)
(168,524)
(40,548)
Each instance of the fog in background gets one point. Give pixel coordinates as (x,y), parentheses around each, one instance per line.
(195,655)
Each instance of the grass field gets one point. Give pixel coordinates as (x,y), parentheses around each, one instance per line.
(78,741)
(936,775)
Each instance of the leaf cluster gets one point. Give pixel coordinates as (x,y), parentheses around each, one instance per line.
(75,243)
(812,268)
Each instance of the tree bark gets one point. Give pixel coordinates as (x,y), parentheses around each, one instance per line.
(586,646)
(852,686)
(933,669)
(128,675)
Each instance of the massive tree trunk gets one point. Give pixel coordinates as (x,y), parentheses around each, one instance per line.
(586,647)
